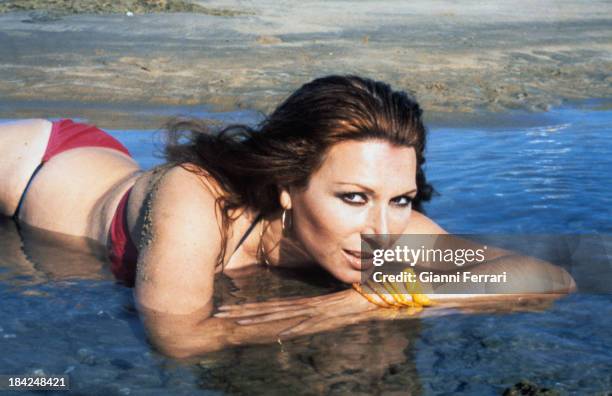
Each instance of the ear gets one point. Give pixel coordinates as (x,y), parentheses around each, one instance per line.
(285,198)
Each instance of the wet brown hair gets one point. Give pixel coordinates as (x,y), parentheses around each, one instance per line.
(251,163)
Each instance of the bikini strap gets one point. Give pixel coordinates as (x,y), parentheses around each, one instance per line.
(248,231)
(23,194)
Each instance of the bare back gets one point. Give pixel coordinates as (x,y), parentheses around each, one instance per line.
(77,191)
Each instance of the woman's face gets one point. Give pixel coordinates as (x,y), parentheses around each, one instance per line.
(362,187)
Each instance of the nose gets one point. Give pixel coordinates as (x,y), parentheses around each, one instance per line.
(376,229)
(385,224)
(378,221)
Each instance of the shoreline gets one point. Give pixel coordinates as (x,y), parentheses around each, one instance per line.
(456,58)
(153,118)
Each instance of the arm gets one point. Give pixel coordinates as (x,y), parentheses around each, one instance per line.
(523,275)
(526,275)
(538,279)
(176,269)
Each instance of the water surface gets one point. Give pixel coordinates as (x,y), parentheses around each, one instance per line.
(61,312)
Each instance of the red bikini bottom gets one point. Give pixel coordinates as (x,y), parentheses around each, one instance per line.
(66,135)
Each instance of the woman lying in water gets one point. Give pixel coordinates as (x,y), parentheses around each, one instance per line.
(341,157)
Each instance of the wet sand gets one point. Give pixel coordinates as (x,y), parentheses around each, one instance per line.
(463,57)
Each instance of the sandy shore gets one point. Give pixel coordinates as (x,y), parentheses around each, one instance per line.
(455,57)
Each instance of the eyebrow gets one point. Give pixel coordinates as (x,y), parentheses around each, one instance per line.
(370,190)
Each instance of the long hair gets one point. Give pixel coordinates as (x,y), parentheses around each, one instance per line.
(250,164)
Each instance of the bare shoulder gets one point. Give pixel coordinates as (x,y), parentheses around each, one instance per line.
(183,191)
(179,243)
(181,207)
(421,224)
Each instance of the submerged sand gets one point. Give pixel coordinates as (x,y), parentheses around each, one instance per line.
(454,56)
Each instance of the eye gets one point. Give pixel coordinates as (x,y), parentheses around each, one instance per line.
(354,198)
(403,201)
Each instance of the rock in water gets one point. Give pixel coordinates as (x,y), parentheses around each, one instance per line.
(526,388)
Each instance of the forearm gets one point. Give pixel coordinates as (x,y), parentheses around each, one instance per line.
(184,340)
(516,274)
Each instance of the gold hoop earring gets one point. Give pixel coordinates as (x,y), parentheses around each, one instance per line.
(284,221)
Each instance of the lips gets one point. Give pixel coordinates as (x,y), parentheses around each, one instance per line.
(360,261)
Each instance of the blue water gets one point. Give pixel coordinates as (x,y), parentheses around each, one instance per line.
(552,178)
(62,313)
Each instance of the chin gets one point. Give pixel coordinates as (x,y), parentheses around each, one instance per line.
(341,271)
(347,275)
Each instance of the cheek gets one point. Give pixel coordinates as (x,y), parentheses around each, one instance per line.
(324,223)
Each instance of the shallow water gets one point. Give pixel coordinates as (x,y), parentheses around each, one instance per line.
(62,313)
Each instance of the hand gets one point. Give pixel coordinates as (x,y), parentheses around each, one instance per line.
(322,313)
